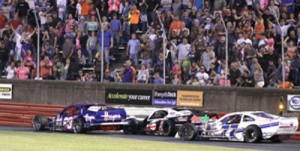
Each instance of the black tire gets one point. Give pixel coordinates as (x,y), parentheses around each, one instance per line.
(39,122)
(78,125)
(131,128)
(275,139)
(252,134)
(168,128)
(187,132)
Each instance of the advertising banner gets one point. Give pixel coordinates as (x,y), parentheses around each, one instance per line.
(190,98)
(164,98)
(5,91)
(293,102)
(131,97)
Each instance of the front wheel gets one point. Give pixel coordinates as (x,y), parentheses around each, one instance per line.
(39,122)
(78,125)
(187,132)
(252,134)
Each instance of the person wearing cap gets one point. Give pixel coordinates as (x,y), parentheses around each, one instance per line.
(107,77)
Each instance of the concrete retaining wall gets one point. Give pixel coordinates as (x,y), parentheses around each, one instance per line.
(71,92)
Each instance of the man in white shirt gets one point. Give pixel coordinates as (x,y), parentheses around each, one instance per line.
(183,49)
(62,5)
(202,76)
(133,48)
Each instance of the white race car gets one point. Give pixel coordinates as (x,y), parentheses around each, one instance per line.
(249,127)
(164,121)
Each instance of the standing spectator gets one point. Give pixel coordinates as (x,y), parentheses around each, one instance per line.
(133,48)
(85,8)
(46,68)
(183,49)
(108,42)
(219,5)
(202,76)
(258,76)
(91,46)
(92,25)
(176,26)
(116,27)
(22,72)
(177,72)
(143,75)
(22,8)
(72,8)
(59,70)
(259,29)
(3,22)
(129,73)
(11,71)
(68,49)
(134,19)
(235,74)
(208,57)
(113,6)
(62,6)
(166,5)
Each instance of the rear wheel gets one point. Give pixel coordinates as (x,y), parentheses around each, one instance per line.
(131,128)
(187,132)
(78,125)
(39,122)
(168,128)
(252,134)
(275,139)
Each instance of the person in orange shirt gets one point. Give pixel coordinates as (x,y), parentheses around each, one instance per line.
(288,85)
(259,29)
(134,19)
(85,8)
(176,25)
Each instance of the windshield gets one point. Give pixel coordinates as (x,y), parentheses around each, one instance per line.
(265,115)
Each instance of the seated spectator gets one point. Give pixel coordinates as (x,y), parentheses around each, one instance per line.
(22,72)
(143,75)
(158,79)
(107,77)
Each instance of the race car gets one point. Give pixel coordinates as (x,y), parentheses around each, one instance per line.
(81,118)
(249,127)
(161,122)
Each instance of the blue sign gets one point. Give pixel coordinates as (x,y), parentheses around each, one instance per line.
(164,98)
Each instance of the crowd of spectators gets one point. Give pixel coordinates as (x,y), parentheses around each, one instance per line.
(71,41)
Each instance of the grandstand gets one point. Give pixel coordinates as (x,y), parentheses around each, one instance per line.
(153,41)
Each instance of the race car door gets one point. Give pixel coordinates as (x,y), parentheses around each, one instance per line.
(65,120)
(230,125)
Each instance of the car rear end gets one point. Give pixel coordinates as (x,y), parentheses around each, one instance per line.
(287,126)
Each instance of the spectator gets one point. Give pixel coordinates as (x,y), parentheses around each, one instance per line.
(59,70)
(129,73)
(134,19)
(235,74)
(22,8)
(108,42)
(11,71)
(133,47)
(46,68)
(183,49)
(107,77)
(91,46)
(116,27)
(158,79)
(67,49)
(202,76)
(177,72)
(258,76)
(143,75)
(22,72)
(208,57)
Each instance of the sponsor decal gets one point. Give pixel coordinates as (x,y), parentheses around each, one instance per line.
(110,117)
(293,103)
(190,98)
(89,118)
(132,97)
(164,98)
(5,91)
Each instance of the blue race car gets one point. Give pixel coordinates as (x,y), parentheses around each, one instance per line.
(81,118)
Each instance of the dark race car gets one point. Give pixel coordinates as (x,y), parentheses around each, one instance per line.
(81,118)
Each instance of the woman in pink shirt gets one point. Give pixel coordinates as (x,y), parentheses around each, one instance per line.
(69,22)
(22,72)
(29,60)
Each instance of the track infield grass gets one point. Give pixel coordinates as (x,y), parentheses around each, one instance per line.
(34,141)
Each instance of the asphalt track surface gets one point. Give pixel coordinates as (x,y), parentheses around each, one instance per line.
(266,145)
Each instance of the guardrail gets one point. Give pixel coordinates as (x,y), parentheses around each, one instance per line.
(21,114)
